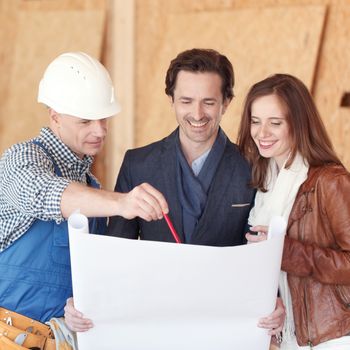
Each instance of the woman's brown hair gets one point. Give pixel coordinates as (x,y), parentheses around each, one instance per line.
(307,131)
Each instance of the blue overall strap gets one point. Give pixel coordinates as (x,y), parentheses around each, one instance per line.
(96,225)
(57,169)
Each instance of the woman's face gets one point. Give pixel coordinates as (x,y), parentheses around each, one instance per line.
(269,128)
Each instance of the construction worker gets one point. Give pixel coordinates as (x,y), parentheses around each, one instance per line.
(44,180)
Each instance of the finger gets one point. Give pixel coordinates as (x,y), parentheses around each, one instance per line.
(151,207)
(255,238)
(70,302)
(83,326)
(71,310)
(259,228)
(75,319)
(156,200)
(79,327)
(266,323)
(147,203)
(78,324)
(145,208)
(276,331)
(136,205)
(276,314)
(158,196)
(273,321)
(270,325)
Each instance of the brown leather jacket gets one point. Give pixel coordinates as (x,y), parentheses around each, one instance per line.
(316,256)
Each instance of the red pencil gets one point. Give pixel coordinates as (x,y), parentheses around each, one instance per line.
(172,229)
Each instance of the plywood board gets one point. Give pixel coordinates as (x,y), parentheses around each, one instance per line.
(258,42)
(40,36)
(61,5)
(333,79)
(338,126)
(8,30)
(119,59)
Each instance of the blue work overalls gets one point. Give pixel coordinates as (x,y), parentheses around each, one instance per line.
(35,271)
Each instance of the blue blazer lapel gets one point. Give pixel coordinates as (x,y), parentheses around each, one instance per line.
(222,181)
(168,170)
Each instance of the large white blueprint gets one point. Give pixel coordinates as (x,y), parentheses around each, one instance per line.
(144,295)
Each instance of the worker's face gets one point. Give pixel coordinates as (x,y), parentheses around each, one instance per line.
(269,128)
(82,136)
(199,106)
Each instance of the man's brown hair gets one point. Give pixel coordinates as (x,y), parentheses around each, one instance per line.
(201,60)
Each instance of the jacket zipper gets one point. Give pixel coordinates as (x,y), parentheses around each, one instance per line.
(305,300)
(309,343)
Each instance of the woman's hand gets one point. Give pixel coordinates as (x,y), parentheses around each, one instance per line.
(274,322)
(261,234)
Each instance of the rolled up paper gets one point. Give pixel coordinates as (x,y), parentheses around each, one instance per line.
(78,223)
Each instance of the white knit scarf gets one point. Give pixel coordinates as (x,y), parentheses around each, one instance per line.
(282,188)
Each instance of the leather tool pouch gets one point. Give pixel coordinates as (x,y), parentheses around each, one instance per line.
(20,332)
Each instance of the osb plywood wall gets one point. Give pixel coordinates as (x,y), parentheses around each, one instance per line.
(281,38)
(39,34)
(35,35)
(119,59)
(333,79)
(136,39)
(305,38)
(32,34)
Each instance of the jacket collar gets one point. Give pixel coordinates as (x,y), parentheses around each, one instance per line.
(221,181)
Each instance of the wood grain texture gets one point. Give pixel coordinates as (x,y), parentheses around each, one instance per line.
(119,59)
(39,36)
(141,38)
(258,42)
(333,78)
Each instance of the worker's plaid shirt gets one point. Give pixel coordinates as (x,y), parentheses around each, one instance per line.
(29,187)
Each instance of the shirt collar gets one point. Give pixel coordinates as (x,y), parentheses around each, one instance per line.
(62,154)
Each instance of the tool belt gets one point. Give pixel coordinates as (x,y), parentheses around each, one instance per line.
(20,332)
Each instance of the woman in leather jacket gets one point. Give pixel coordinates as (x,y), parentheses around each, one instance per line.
(299,176)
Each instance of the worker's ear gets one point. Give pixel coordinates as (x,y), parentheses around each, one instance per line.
(55,120)
(54,117)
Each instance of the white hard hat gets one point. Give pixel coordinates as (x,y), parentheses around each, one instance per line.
(77,84)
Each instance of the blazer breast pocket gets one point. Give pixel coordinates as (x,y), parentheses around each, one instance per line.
(240,205)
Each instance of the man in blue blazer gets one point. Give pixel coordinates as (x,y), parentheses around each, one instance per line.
(197,168)
(226,203)
(200,172)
